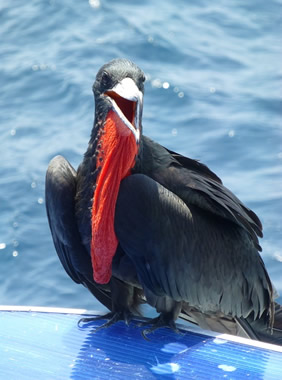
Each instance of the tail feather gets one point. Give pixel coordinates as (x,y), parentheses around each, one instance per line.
(266,334)
(248,328)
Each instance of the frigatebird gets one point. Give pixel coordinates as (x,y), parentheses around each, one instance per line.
(139,223)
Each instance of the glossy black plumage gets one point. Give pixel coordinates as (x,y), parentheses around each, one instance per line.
(186,243)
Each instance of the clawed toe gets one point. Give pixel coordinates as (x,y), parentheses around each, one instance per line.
(163,320)
(157,323)
(93,319)
(112,318)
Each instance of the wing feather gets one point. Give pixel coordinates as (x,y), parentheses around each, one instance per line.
(187,253)
(60,190)
(196,184)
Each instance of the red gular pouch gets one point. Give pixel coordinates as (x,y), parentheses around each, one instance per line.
(116,158)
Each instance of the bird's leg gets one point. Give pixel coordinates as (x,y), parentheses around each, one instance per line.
(122,304)
(168,308)
(169,311)
(165,319)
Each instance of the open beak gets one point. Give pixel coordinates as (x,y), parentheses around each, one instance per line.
(127,102)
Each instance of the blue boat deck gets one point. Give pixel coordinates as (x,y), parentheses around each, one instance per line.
(43,343)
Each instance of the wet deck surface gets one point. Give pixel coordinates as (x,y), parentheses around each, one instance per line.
(42,345)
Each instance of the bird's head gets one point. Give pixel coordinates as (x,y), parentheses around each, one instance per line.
(118,92)
(119,87)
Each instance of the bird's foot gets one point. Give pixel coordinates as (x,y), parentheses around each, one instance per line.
(112,317)
(156,323)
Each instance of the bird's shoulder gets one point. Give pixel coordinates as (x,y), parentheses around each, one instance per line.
(196,184)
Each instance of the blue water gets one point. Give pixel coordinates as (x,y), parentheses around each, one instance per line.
(213,93)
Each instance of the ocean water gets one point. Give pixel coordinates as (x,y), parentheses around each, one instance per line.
(213,92)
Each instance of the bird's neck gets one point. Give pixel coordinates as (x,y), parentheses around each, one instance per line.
(115,159)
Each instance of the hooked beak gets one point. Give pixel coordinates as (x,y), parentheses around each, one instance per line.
(127,102)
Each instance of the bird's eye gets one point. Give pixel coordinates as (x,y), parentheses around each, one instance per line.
(106,79)
(143,78)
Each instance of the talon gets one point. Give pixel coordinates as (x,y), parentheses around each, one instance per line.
(112,317)
(93,319)
(144,334)
(156,323)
